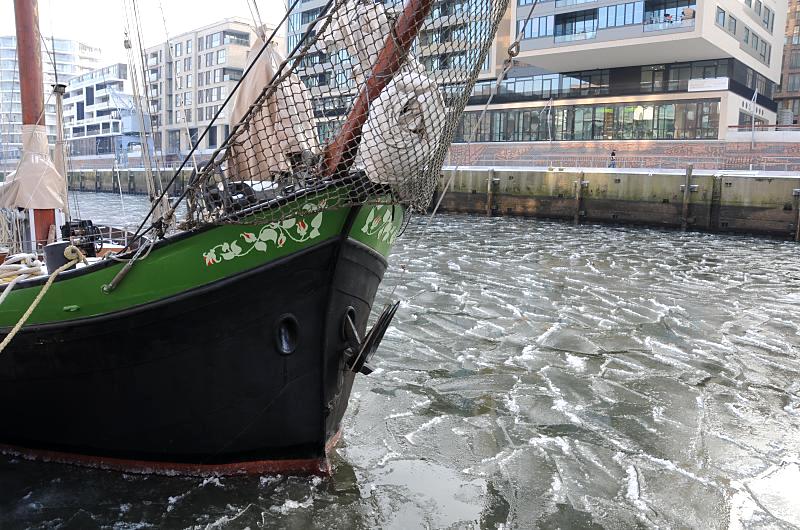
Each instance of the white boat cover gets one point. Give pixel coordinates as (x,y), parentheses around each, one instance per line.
(283,125)
(36,183)
(408,117)
(403,128)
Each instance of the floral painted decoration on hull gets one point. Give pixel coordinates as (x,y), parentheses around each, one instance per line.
(272,235)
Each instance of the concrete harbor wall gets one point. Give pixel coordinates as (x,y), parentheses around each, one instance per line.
(726,201)
(130,180)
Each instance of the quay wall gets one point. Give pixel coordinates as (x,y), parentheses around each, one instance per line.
(725,201)
(129,180)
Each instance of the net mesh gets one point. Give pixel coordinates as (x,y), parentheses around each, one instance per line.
(371,96)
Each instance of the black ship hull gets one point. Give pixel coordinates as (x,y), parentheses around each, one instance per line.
(245,374)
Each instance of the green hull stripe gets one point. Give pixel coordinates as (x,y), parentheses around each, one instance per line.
(198,260)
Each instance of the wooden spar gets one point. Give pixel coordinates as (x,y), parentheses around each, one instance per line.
(31,88)
(341,152)
(29,52)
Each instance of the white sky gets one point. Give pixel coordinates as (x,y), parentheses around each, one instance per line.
(101,23)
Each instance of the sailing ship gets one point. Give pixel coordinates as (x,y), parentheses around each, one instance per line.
(231,344)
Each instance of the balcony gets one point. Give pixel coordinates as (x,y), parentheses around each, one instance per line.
(669,25)
(573,37)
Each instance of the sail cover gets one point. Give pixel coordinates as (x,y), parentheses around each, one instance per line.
(281,127)
(36,184)
(370,95)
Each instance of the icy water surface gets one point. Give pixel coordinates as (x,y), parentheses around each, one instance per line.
(536,375)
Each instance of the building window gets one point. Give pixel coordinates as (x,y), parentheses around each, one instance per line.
(794,59)
(768,19)
(216,39)
(720,17)
(189,81)
(793,83)
(209,59)
(187,64)
(621,15)
(628,121)
(731,25)
(178,49)
(189,46)
(200,44)
(536,27)
(746,39)
(310,15)
(187,99)
(173,141)
(218,75)
(221,56)
(576,23)
(757,8)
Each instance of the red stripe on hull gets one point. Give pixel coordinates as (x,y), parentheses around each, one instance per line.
(307,466)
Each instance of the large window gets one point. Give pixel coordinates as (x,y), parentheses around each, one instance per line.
(621,15)
(670,11)
(577,23)
(721,17)
(794,59)
(793,83)
(537,27)
(630,121)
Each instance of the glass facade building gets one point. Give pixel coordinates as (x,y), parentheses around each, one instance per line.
(592,70)
(61,58)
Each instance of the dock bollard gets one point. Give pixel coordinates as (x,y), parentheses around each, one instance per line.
(687,191)
(490,193)
(797,222)
(578,199)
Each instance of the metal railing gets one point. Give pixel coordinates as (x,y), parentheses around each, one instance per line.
(668,24)
(571,37)
(763,127)
(645,162)
(565,3)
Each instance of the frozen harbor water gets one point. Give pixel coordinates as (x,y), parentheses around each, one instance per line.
(536,375)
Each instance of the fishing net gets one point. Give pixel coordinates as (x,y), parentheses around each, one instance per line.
(362,110)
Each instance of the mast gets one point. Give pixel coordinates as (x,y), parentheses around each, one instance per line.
(31,83)
(29,52)
(59,157)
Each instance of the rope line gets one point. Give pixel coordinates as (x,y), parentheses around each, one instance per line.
(75,256)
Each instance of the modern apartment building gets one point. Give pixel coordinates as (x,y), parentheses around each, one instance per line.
(188,79)
(64,58)
(101,118)
(596,69)
(788,95)
(643,69)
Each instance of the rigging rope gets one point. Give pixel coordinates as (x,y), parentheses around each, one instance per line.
(512,51)
(74,255)
(304,43)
